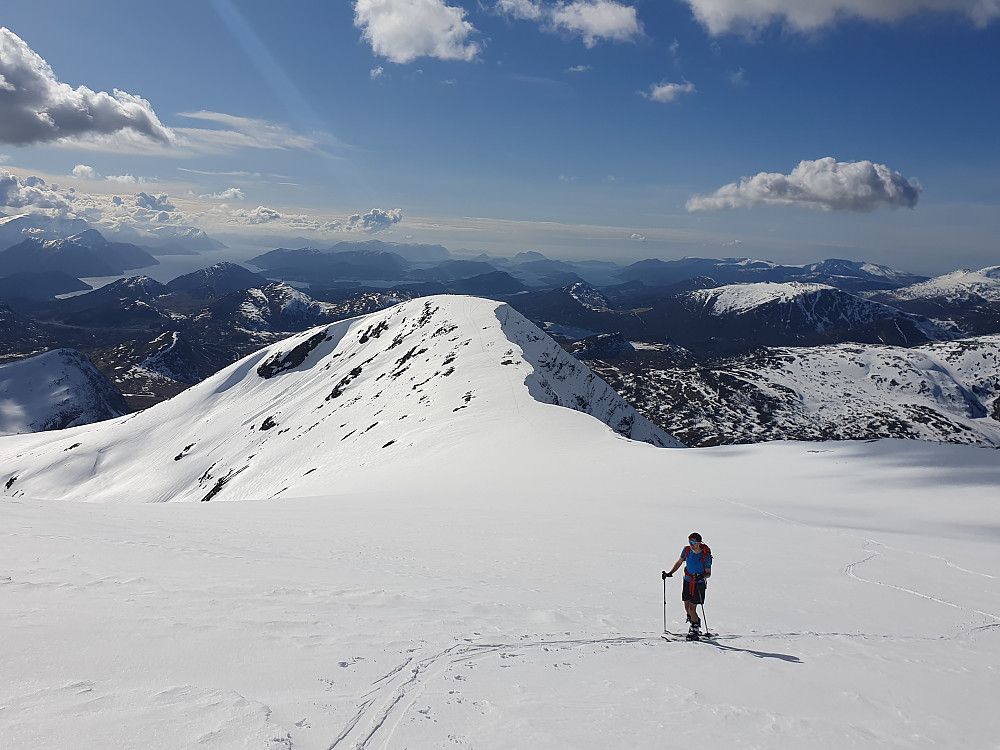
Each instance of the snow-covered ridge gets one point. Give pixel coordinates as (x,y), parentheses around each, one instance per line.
(436,377)
(740,298)
(956,287)
(816,306)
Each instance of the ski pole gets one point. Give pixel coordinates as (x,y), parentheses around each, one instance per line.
(704,618)
(664,604)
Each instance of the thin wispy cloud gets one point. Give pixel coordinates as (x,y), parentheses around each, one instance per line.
(239,132)
(403,30)
(35,107)
(823,184)
(723,16)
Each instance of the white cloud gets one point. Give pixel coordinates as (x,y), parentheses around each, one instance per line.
(239,132)
(260,215)
(377,73)
(29,192)
(230,194)
(403,30)
(823,184)
(36,108)
(84,172)
(595,20)
(579,69)
(591,20)
(668,92)
(374,221)
(123,179)
(722,16)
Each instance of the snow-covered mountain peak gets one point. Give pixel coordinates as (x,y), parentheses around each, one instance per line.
(957,287)
(57,389)
(741,298)
(435,379)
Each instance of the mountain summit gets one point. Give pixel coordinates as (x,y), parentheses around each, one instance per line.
(439,379)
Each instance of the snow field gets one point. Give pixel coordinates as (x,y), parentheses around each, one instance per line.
(519,605)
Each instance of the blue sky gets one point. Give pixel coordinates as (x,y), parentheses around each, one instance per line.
(585,128)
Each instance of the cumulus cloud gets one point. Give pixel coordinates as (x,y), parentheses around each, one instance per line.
(259,215)
(29,192)
(823,184)
(403,30)
(36,108)
(594,20)
(722,16)
(374,221)
(591,20)
(230,194)
(84,172)
(154,202)
(668,92)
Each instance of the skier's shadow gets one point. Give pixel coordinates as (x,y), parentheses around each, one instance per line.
(758,654)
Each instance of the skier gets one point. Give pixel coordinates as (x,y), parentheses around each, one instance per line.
(697,561)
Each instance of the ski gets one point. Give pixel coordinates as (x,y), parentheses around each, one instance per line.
(667,636)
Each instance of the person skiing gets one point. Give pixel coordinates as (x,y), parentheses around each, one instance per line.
(697,561)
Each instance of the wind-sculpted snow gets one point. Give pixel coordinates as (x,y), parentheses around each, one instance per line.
(333,405)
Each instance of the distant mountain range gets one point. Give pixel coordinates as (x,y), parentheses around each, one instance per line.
(37,243)
(699,345)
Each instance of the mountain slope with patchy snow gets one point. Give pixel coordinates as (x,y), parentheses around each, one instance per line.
(337,401)
(947,391)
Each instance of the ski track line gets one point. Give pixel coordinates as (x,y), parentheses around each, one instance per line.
(371,724)
(849,570)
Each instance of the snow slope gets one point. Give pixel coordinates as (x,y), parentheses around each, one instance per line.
(57,389)
(495,582)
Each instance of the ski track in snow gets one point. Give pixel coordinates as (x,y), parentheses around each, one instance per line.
(850,568)
(394,693)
